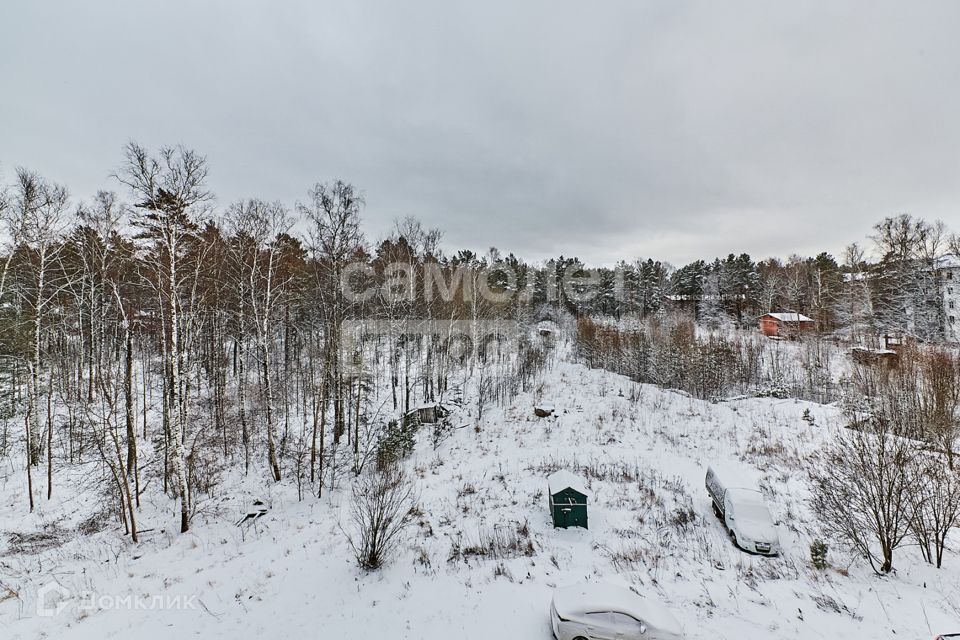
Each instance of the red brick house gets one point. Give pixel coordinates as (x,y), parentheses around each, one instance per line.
(785,325)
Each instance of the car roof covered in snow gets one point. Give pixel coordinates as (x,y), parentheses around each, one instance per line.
(733,476)
(602,597)
(563,479)
(790,317)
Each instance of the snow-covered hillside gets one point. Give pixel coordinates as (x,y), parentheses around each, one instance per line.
(482,559)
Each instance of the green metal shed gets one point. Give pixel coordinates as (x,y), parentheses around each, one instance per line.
(568,499)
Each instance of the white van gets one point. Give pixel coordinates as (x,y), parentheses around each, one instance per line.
(739,504)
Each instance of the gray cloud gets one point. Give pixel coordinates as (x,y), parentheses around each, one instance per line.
(613,129)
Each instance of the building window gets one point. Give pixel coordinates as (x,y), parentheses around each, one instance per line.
(950,290)
(951,304)
(949,275)
(952,319)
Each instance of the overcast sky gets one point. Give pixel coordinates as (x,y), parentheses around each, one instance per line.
(601,129)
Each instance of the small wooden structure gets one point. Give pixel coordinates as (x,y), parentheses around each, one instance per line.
(863,355)
(428,413)
(568,500)
(547,328)
(543,410)
(785,325)
(893,341)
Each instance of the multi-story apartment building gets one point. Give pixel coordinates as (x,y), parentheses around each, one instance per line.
(949,269)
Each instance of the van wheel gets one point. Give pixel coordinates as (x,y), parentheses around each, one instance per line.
(716,510)
(733,538)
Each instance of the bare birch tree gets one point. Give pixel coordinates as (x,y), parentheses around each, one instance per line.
(259,227)
(333,213)
(171,188)
(36,221)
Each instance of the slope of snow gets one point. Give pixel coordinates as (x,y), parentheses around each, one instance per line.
(482,559)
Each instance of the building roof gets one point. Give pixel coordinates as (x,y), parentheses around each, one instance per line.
(881,352)
(563,479)
(948,262)
(789,317)
(547,325)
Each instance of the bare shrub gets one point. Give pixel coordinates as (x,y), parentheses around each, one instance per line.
(36,541)
(939,399)
(615,471)
(635,557)
(94,523)
(861,497)
(382,507)
(510,540)
(669,352)
(935,502)
(832,605)
(880,482)
(861,489)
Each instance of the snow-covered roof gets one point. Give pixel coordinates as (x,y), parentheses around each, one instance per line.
(563,479)
(547,325)
(601,597)
(881,352)
(948,262)
(735,476)
(789,317)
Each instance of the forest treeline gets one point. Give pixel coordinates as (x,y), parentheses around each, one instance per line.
(169,339)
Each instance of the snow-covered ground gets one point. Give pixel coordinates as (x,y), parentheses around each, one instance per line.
(644,452)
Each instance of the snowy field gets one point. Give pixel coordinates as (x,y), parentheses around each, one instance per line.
(482,559)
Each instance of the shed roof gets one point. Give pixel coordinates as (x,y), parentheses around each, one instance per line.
(881,352)
(563,479)
(789,317)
